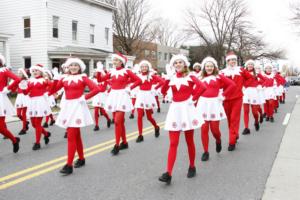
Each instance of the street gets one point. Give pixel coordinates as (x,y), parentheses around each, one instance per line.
(133,174)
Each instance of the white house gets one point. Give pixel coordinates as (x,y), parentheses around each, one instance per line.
(4,47)
(49,31)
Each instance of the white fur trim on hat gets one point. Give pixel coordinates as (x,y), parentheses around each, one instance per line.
(179,57)
(195,64)
(145,62)
(231,56)
(2,59)
(37,67)
(47,71)
(77,61)
(209,59)
(23,72)
(122,58)
(268,65)
(248,62)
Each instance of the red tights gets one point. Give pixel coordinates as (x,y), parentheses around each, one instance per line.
(21,113)
(74,144)
(39,130)
(120,131)
(255,114)
(5,132)
(96,114)
(269,107)
(140,113)
(214,127)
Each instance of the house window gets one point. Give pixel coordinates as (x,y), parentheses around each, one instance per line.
(159,56)
(92,33)
(166,56)
(27,25)
(74,30)
(153,54)
(55,27)
(27,62)
(147,53)
(106,35)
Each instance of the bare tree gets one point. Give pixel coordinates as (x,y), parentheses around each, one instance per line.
(216,24)
(130,25)
(167,33)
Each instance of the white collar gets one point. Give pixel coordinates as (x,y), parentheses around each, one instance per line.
(117,73)
(178,81)
(3,69)
(37,80)
(231,71)
(144,78)
(74,78)
(209,78)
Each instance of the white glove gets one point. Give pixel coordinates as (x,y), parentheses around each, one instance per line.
(23,85)
(82,99)
(99,67)
(5,90)
(221,97)
(56,75)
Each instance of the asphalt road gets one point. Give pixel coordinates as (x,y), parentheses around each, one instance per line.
(133,174)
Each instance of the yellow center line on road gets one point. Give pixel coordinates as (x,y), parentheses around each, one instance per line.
(8,184)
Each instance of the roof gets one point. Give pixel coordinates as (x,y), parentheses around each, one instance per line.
(101,3)
(79,51)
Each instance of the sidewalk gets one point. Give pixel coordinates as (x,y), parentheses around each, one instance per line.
(284,179)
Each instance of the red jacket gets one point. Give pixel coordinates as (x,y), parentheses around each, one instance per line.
(148,80)
(5,75)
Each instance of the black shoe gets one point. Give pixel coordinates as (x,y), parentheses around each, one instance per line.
(22,132)
(115,150)
(158,110)
(108,123)
(256,125)
(218,147)
(46,138)
(123,146)
(96,128)
(191,172)
(139,139)
(231,147)
(157,131)
(283,101)
(66,170)
(27,126)
(165,177)
(261,119)
(45,125)
(36,147)
(205,156)
(16,145)
(272,119)
(246,131)
(267,119)
(131,116)
(79,163)
(52,122)
(66,135)
(264,115)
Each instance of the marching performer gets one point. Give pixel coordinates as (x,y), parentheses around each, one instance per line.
(100,99)
(252,97)
(38,106)
(210,104)
(196,69)
(74,113)
(22,102)
(145,100)
(182,114)
(233,101)
(6,108)
(118,100)
(50,99)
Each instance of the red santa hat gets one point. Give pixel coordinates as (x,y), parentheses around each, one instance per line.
(197,64)
(248,62)
(22,70)
(179,57)
(231,55)
(77,61)
(207,60)
(39,67)
(2,59)
(120,57)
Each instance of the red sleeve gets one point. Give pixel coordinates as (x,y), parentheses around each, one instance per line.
(227,84)
(165,87)
(94,89)
(55,86)
(158,80)
(260,76)
(134,78)
(16,79)
(199,89)
(246,75)
(101,78)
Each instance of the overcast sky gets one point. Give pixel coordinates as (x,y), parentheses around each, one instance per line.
(269,16)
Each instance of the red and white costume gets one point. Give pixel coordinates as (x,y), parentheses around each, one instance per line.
(75,113)
(6,107)
(210,103)
(233,101)
(182,114)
